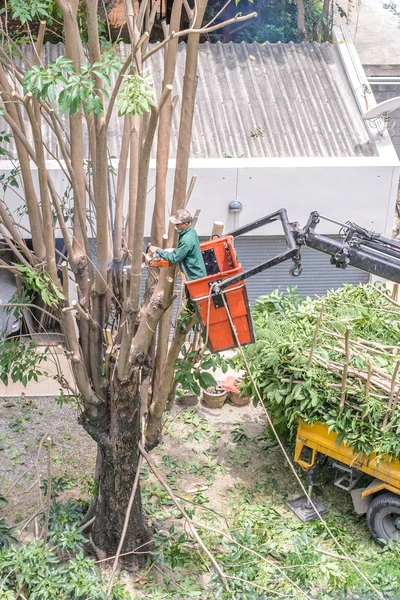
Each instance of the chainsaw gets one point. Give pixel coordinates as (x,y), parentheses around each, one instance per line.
(154,261)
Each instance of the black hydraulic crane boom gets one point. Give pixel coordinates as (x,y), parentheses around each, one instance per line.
(358,247)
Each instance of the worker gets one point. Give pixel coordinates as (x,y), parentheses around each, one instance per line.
(187,253)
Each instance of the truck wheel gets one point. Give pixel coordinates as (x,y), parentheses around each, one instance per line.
(383,517)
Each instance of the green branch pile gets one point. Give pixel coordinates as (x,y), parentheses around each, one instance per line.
(359,402)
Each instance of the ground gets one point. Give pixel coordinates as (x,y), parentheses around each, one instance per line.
(23,423)
(230,476)
(373,28)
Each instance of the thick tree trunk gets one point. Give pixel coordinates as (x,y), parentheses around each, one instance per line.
(325,21)
(301,24)
(120,455)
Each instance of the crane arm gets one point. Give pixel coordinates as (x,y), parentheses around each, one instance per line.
(357,247)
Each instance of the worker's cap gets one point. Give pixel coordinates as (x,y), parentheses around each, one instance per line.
(180,217)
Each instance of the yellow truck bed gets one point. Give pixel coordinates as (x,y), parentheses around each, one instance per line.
(317,437)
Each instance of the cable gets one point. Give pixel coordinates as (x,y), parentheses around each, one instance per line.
(208,314)
(269,421)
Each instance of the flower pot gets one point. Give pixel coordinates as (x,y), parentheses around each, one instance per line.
(214,399)
(237,400)
(231,385)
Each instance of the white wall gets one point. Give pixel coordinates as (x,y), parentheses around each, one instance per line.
(362,190)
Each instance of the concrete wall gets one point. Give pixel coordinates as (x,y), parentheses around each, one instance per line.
(360,190)
(351,189)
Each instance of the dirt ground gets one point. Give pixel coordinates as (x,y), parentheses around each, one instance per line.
(221,460)
(202,434)
(23,423)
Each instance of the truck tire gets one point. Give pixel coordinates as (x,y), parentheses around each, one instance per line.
(383,518)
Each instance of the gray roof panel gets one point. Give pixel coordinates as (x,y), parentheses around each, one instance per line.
(298,95)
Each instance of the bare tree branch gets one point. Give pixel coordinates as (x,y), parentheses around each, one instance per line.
(44,196)
(164,132)
(34,215)
(237,19)
(192,529)
(119,200)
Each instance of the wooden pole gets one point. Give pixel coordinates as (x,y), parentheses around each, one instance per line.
(190,189)
(195,218)
(217,229)
(395,401)
(368,385)
(345,368)
(315,335)
(395,292)
(392,392)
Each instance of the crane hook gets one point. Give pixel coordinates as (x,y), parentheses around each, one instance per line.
(296,270)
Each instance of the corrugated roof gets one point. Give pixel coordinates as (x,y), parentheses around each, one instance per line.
(296,96)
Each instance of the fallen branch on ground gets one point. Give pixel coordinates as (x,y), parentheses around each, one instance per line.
(189,521)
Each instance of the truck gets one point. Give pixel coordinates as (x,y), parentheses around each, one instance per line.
(224,290)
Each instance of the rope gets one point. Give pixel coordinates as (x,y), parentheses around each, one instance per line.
(208,315)
(288,460)
(204,348)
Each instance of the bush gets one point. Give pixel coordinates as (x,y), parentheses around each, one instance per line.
(57,569)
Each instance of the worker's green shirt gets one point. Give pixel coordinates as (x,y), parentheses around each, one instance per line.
(188,254)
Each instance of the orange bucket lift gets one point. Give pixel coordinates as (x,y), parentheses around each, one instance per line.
(212,307)
(220,299)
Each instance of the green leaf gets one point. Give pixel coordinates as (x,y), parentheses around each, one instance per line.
(206,380)
(52,93)
(63,102)
(98,106)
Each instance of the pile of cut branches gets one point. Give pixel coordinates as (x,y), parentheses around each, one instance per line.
(335,359)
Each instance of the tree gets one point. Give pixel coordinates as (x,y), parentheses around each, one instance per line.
(110,336)
(282,21)
(301,21)
(325,20)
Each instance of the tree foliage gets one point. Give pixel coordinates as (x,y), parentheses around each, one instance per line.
(57,569)
(278,21)
(295,388)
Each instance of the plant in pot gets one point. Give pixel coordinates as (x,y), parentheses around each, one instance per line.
(214,396)
(192,371)
(237,398)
